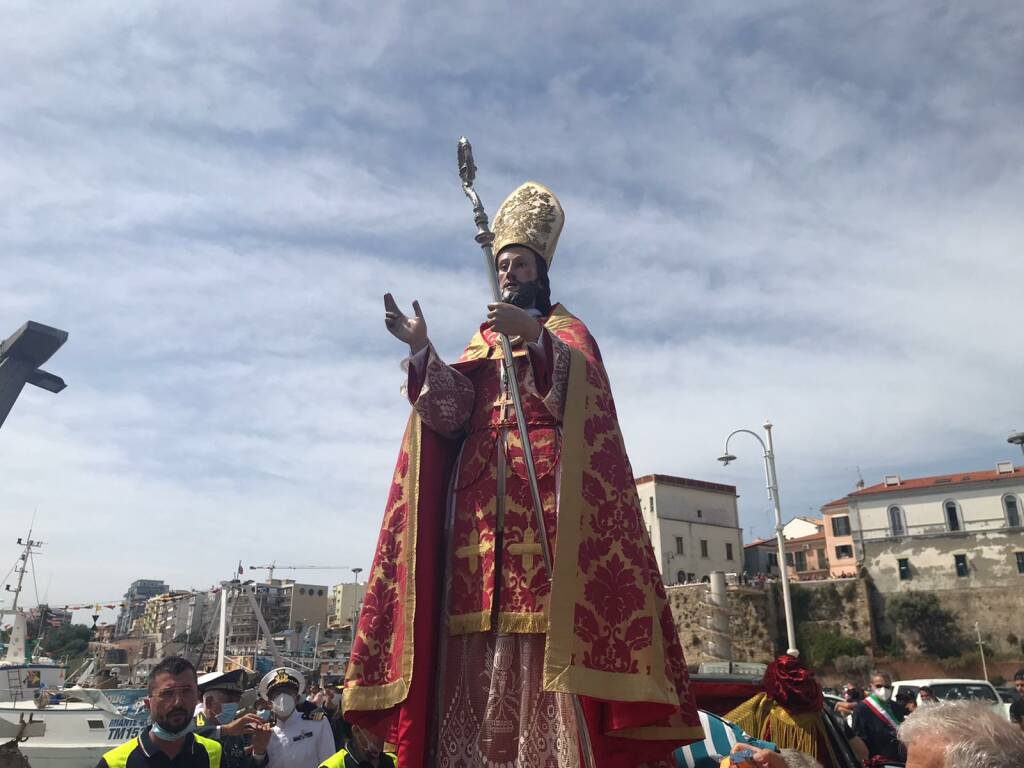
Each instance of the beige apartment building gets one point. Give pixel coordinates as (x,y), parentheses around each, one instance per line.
(693,526)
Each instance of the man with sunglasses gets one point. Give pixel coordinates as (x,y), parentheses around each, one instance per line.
(170,739)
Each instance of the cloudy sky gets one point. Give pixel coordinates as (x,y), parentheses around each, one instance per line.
(805,211)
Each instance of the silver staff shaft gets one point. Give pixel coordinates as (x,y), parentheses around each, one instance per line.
(484,236)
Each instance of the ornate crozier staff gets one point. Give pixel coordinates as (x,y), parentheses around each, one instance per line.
(484,236)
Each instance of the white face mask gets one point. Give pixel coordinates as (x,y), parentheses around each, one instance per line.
(283,704)
(883,694)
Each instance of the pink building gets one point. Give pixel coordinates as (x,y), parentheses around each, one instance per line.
(839,539)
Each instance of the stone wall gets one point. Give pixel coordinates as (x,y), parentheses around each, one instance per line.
(752,622)
(996,610)
(757,623)
(841,606)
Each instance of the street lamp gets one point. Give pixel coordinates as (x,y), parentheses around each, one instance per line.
(773,494)
(21,354)
(1016,438)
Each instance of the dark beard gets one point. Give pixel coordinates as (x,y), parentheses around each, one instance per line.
(523,296)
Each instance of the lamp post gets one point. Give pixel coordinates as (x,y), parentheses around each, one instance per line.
(773,494)
(21,354)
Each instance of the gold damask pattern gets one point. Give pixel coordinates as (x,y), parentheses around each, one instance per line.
(530,216)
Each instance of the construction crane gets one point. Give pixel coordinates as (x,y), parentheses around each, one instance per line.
(275,567)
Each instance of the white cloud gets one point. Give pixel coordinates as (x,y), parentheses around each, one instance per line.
(802,212)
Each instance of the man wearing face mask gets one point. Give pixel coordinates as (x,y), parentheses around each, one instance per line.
(362,749)
(298,740)
(170,738)
(219,720)
(876,721)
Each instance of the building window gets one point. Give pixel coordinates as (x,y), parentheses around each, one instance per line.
(801,561)
(703,547)
(822,558)
(679,545)
(728,551)
(844,551)
(904,565)
(1020,562)
(961,565)
(700,513)
(841,526)
(1012,511)
(681,577)
(897,521)
(773,560)
(789,559)
(954,520)
(652,505)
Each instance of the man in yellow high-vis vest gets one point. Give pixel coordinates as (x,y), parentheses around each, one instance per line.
(169,739)
(362,750)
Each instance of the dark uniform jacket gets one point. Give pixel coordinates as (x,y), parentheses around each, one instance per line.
(196,752)
(878,735)
(233,747)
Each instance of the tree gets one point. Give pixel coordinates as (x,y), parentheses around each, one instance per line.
(921,613)
(854,667)
(70,640)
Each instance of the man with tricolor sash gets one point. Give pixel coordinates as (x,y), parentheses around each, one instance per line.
(876,721)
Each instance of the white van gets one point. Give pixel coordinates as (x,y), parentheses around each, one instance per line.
(948,689)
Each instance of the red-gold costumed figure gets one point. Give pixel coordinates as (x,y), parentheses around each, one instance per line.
(466,653)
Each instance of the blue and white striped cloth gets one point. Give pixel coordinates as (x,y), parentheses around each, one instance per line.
(720,736)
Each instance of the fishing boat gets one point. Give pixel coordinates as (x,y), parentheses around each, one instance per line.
(22,677)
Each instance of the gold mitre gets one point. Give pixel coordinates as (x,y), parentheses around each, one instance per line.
(530,216)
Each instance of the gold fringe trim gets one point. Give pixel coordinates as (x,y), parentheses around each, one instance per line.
(766,719)
(467,623)
(372,698)
(522,623)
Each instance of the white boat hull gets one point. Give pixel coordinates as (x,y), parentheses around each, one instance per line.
(76,734)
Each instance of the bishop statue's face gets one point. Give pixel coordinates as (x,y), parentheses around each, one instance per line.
(517,276)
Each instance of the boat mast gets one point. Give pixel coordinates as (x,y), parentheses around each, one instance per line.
(29,547)
(223,628)
(19,630)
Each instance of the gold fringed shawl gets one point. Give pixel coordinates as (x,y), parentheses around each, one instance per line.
(764,718)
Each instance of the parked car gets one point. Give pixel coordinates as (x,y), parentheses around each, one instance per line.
(957,690)
(1007,693)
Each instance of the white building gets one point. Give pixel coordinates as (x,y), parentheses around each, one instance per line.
(693,526)
(801,527)
(346,599)
(942,533)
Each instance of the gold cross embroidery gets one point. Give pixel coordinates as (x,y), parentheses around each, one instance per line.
(503,402)
(474,550)
(527,549)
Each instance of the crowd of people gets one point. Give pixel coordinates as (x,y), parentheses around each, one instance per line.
(200,721)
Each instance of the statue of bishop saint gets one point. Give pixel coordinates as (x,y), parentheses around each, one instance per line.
(467,653)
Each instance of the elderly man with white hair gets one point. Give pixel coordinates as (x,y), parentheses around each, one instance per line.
(961,734)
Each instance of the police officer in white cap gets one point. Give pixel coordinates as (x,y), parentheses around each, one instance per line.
(299,740)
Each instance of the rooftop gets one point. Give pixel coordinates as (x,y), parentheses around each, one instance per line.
(685,482)
(820,536)
(894,483)
(834,505)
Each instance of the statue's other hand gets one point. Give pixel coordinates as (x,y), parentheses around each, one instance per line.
(411,330)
